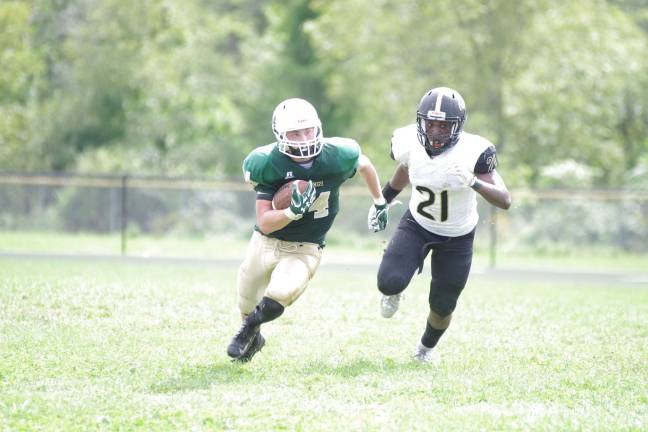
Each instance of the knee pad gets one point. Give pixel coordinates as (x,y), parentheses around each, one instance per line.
(392,284)
(285,295)
(439,322)
(443,305)
(291,276)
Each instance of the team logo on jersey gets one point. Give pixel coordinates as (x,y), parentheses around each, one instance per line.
(289,175)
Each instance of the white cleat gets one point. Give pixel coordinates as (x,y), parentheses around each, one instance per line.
(424,354)
(389,305)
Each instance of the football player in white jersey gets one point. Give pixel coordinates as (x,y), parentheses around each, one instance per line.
(447,168)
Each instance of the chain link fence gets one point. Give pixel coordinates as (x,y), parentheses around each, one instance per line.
(156,216)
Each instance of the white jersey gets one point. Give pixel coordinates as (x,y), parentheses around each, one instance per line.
(439,208)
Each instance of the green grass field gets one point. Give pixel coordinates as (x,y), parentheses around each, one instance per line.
(97,345)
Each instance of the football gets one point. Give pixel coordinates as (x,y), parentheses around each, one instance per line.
(281,198)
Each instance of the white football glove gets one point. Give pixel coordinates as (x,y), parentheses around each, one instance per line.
(458,177)
(378,216)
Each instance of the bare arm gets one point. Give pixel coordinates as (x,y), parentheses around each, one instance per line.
(370,176)
(400,179)
(491,186)
(269,220)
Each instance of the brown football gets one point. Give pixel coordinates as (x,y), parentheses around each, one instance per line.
(281,198)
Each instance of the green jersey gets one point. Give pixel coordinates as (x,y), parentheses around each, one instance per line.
(267,169)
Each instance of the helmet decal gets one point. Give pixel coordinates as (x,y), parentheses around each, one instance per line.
(436,115)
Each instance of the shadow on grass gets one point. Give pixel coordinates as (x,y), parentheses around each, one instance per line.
(358,367)
(204,376)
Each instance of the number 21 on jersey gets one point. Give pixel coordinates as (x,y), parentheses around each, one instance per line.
(430,200)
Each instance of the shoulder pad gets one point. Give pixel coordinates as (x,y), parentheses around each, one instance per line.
(255,164)
(476,143)
(401,143)
(487,161)
(346,146)
(348,151)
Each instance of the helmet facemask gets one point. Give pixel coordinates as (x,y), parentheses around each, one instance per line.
(294,115)
(443,106)
(436,142)
(300,149)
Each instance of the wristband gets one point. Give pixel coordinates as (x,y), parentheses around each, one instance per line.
(380,201)
(290,215)
(389,192)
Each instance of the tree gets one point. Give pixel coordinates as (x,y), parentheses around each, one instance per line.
(571,99)
(142,86)
(21,69)
(544,80)
(188,88)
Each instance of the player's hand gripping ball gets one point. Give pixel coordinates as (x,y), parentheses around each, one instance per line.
(281,198)
(300,201)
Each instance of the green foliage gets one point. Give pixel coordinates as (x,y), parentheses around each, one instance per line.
(572,98)
(19,61)
(283,64)
(531,72)
(21,68)
(162,88)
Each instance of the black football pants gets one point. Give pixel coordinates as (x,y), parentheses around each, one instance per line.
(406,252)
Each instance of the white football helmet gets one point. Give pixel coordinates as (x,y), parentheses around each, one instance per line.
(294,114)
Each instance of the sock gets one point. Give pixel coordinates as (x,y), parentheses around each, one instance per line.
(265,311)
(431,336)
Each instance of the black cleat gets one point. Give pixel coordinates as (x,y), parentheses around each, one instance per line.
(243,340)
(257,343)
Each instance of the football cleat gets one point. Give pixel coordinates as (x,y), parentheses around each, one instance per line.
(389,305)
(424,354)
(257,343)
(242,341)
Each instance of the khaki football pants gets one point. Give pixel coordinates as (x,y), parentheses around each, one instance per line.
(277,269)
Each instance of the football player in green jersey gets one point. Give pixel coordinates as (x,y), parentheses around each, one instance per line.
(286,245)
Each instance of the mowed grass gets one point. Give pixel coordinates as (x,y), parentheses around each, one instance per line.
(342,247)
(97,345)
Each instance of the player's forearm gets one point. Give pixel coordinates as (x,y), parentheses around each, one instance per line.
(400,179)
(370,177)
(396,184)
(272,220)
(497,195)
